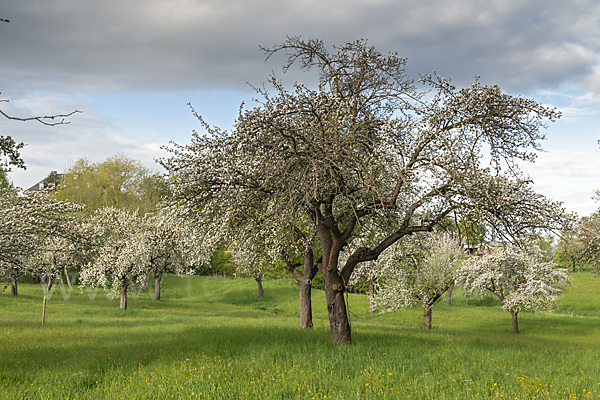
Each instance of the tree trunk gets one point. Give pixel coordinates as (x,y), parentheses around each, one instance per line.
(123,304)
(68,277)
(515,321)
(49,283)
(260,287)
(335,285)
(309,270)
(449,298)
(595,264)
(14,291)
(427,315)
(157,280)
(371,296)
(306,304)
(336,308)
(573,262)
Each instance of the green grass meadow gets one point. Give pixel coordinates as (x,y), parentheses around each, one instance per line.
(213,338)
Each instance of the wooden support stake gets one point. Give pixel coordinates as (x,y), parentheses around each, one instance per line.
(44,312)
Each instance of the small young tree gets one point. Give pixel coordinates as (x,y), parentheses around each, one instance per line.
(252,264)
(569,250)
(12,270)
(589,238)
(259,255)
(171,244)
(56,255)
(420,270)
(517,275)
(122,260)
(370,271)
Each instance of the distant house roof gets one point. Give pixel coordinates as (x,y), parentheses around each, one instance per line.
(50,181)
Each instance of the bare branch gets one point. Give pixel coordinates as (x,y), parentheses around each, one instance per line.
(45,119)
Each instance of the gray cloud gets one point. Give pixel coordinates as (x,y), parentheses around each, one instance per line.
(68,45)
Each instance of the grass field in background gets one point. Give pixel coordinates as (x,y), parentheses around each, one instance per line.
(213,338)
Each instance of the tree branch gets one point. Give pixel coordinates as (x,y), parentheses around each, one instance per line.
(45,119)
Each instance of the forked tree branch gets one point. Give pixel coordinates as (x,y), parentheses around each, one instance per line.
(46,120)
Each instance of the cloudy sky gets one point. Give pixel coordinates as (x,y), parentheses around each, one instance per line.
(132,66)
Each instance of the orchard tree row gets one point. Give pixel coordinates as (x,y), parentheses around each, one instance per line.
(101,221)
(113,248)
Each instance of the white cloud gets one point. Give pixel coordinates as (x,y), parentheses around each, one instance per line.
(569,176)
(56,148)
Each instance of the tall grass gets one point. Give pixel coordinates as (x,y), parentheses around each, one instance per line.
(213,338)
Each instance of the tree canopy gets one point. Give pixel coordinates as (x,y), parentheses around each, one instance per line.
(26,223)
(517,275)
(418,271)
(117,181)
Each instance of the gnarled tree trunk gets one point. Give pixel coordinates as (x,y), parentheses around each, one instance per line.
(336,308)
(306,303)
(49,283)
(68,277)
(309,272)
(304,281)
(449,298)
(428,306)
(335,286)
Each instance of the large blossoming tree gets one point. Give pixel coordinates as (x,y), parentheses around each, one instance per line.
(365,143)
(517,275)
